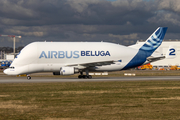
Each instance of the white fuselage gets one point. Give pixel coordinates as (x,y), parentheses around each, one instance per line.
(51,56)
(68,58)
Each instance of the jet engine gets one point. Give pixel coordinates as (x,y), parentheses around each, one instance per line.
(66,71)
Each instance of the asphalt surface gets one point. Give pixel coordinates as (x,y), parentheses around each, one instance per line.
(47,77)
(14,79)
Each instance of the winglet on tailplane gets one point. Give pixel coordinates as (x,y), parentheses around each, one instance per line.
(154,41)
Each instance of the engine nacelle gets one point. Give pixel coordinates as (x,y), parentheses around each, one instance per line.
(67,71)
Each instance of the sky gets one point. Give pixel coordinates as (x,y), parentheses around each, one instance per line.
(117,21)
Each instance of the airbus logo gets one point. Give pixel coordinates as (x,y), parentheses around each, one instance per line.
(72,54)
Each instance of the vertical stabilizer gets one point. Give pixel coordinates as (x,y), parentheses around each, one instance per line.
(146,50)
(154,41)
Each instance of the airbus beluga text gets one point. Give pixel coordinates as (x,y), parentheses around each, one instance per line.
(68,58)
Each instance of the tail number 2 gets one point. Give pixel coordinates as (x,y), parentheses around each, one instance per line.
(172,51)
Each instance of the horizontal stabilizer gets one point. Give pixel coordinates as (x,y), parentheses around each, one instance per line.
(153,59)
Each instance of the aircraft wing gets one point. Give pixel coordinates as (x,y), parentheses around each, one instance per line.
(93,64)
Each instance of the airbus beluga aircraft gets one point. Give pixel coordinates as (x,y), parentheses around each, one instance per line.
(68,58)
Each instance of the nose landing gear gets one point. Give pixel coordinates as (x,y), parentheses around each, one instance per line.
(28,77)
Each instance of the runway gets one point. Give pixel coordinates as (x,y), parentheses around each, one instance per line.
(57,79)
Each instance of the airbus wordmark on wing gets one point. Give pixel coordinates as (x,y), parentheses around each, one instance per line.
(68,58)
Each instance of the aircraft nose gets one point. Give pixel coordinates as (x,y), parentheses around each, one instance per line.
(10,71)
(5,71)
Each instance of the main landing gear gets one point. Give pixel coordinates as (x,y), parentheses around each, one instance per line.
(87,76)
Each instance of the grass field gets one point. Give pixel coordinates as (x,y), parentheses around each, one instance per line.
(133,100)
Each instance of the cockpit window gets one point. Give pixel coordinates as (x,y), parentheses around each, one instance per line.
(12,67)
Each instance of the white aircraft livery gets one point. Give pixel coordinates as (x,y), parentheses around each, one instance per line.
(68,58)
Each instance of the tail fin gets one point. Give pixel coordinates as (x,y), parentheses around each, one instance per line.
(154,41)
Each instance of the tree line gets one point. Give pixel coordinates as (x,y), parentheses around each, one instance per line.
(10,49)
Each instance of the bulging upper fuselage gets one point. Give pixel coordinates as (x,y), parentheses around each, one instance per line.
(51,56)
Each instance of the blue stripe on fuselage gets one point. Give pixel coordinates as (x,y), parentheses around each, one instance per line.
(138,59)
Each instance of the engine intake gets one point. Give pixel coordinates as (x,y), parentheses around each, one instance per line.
(66,71)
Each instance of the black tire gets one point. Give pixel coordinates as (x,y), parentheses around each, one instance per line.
(80,76)
(28,77)
(85,76)
(89,77)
